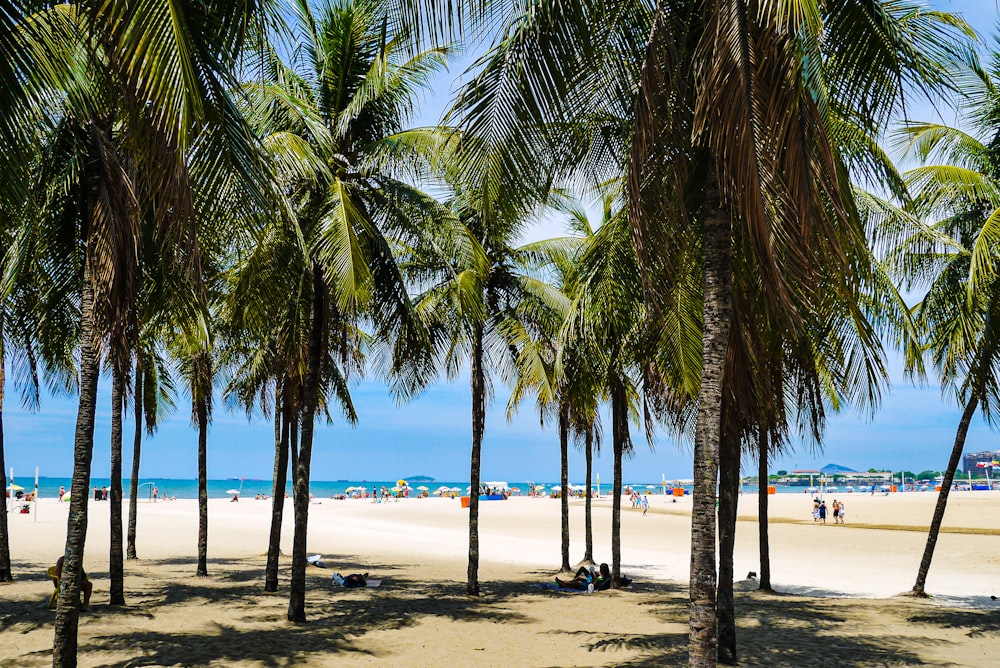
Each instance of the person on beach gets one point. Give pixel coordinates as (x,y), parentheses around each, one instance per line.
(836,512)
(588,576)
(97,493)
(62,492)
(645,504)
(156,492)
(840,517)
(236,498)
(822,512)
(86,586)
(815,510)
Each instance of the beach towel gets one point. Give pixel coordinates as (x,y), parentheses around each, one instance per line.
(552,586)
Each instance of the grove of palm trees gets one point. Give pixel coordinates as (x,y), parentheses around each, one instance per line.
(230,207)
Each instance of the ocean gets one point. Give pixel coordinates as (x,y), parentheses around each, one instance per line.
(218,489)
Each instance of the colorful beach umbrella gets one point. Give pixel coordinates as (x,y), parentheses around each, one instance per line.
(402,483)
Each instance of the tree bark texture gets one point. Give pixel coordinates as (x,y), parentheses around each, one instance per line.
(201,411)
(619,435)
(729,488)
(300,502)
(64,645)
(702,647)
(942,501)
(564,482)
(116,567)
(133,486)
(478,382)
(588,553)
(762,501)
(280,478)
(6,574)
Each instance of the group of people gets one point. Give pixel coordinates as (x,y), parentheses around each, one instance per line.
(640,501)
(820,511)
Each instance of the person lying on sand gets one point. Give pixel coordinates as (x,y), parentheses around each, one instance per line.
(587,576)
(352,580)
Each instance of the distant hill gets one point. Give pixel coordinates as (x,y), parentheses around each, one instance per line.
(836,468)
(419,478)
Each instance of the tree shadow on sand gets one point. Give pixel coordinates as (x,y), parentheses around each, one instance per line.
(973,622)
(772,631)
(254,627)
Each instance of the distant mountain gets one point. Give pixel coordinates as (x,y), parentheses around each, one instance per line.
(419,478)
(836,468)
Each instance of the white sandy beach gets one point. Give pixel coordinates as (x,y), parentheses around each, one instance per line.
(419,548)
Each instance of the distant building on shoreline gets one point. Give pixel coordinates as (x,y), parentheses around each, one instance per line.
(971,462)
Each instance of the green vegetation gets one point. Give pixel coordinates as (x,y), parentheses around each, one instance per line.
(229,198)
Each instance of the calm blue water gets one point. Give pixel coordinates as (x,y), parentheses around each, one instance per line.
(188,489)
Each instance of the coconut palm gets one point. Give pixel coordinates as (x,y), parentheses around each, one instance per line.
(957,188)
(333,120)
(115,117)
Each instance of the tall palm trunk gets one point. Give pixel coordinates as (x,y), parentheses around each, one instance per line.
(619,435)
(67,610)
(201,412)
(729,487)
(300,502)
(278,497)
(116,568)
(133,486)
(5,571)
(702,647)
(564,482)
(762,501)
(942,502)
(478,382)
(588,553)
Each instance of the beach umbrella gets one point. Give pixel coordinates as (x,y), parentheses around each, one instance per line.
(401,483)
(66,496)
(16,488)
(422,488)
(397,489)
(557,488)
(232,491)
(650,486)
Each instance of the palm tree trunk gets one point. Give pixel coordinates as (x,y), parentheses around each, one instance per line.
(942,502)
(619,427)
(588,553)
(133,487)
(6,575)
(278,497)
(729,487)
(201,411)
(300,502)
(702,647)
(64,644)
(564,482)
(116,568)
(762,501)
(478,427)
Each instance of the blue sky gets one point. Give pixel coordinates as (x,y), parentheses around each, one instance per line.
(431,435)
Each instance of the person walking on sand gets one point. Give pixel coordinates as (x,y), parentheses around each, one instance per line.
(840,517)
(645,504)
(822,512)
(156,492)
(836,512)
(815,510)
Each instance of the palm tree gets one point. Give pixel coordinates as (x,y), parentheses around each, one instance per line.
(116,114)
(332,120)
(960,311)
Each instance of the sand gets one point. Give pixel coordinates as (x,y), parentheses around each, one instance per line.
(837,607)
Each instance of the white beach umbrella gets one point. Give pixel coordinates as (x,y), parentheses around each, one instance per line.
(422,488)
(232,491)
(557,488)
